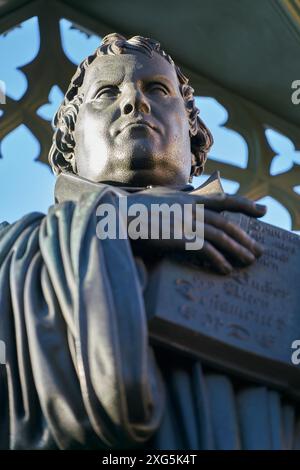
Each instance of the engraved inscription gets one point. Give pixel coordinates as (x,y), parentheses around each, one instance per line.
(250,304)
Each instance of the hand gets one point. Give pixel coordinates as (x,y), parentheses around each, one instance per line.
(224,241)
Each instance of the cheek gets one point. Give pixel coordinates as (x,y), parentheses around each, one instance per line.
(181,134)
(92,121)
(91,130)
(176,117)
(91,143)
(181,129)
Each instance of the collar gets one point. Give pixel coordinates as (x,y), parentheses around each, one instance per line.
(69,187)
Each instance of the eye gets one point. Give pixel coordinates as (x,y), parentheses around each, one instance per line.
(157,88)
(107,92)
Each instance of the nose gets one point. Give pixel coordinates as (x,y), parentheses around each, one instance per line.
(134,101)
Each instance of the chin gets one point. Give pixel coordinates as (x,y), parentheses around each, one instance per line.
(143,178)
(150,177)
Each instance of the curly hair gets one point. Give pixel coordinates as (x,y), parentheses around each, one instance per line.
(61,155)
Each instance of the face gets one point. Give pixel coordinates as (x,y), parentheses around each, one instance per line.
(132,127)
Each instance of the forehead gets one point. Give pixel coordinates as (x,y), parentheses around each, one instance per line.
(129,67)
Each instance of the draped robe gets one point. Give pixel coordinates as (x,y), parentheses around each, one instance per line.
(79,370)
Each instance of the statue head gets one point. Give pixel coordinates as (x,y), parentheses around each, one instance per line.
(129,117)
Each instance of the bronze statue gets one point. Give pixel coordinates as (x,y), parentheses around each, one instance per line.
(80,372)
(129,83)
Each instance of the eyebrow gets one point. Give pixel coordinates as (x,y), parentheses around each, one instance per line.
(160,78)
(99,83)
(114,82)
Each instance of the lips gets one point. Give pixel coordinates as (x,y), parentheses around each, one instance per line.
(137,123)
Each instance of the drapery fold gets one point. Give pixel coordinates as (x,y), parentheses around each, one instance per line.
(208,410)
(79,370)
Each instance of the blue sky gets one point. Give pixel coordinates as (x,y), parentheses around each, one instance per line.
(31,187)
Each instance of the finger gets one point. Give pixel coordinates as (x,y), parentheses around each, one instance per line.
(217,261)
(234,231)
(228,245)
(233,203)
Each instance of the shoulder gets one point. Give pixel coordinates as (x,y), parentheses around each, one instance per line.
(11,232)
(3,225)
